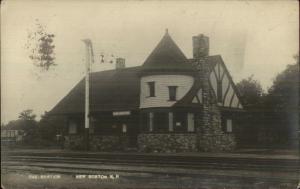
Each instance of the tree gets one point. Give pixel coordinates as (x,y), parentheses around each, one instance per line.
(282,105)
(50,126)
(272,118)
(28,123)
(27,115)
(41,48)
(251,92)
(285,88)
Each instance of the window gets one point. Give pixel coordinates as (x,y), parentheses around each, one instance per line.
(92,125)
(172,93)
(145,126)
(72,127)
(151,86)
(191,122)
(124,128)
(228,125)
(11,133)
(180,122)
(161,122)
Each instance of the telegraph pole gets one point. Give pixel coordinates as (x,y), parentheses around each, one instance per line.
(88,44)
(89,59)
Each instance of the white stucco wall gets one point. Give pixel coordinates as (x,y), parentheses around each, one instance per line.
(161,99)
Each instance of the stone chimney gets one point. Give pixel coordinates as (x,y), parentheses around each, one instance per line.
(120,63)
(200,46)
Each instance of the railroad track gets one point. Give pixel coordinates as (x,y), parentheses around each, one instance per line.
(189,162)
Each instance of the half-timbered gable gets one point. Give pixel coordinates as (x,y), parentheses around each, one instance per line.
(223,86)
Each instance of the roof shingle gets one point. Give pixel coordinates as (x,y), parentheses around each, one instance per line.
(109,90)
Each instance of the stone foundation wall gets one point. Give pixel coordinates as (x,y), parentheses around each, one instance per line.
(97,142)
(108,143)
(216,143)
(74,142)
(156,142)
(167,142)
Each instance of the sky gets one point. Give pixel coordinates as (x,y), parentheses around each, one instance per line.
(253,37)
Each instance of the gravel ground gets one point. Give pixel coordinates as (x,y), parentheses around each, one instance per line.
(25,180)
(204,180)
(244,153)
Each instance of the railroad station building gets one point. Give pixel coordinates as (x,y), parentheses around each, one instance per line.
(170,103)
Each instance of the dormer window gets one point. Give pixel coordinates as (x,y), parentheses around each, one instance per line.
(151,86)
(172,93)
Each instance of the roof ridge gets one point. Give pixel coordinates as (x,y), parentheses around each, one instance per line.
(115,69)
(210,56)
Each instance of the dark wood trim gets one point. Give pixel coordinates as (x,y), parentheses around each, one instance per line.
(231,81)
(219,74)
(230,105)
(223,74)
(210,86)
(216,75)
(171,109)
(197,97)
(168,72)
(238,104)
(231,110)
(150,96)
(227,89)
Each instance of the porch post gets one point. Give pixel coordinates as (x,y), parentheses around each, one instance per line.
(151,121)
(171,121)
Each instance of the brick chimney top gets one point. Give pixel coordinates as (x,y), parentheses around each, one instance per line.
(200,46)
(120,63)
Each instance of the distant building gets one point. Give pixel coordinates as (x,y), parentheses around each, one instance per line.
(169,104)
(11,135)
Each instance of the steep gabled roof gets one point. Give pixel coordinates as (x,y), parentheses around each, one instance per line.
(109,90)
(167,56)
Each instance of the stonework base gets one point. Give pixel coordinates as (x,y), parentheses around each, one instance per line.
(156,142)
(97,142)
(216,143)
(167,142)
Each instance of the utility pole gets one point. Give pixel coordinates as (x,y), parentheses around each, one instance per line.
(89,53)
(89,59)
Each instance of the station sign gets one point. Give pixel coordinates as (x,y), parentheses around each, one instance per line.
(121,113)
